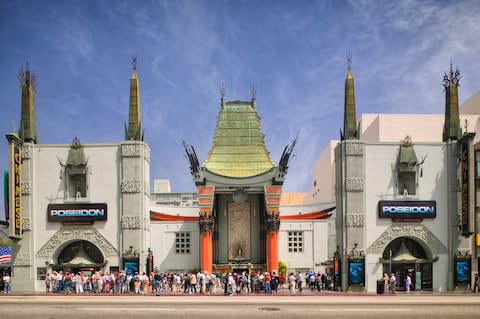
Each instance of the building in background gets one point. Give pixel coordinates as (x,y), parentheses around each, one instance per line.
(405,193)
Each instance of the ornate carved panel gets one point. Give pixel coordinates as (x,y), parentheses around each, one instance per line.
(206,223)
(239,230)
(131,222)
(131,186)
(22,259)
(354,184)
(26,150)
(65,235)
(353,148)
(146,223)
(414,231)
(25,187)
(132,150)
(273,221)
(26,224)
(355,220)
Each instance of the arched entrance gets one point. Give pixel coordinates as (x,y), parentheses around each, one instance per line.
(80,255)
(404,256)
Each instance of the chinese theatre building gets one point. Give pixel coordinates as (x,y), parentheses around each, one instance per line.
(238,189)
(406,196)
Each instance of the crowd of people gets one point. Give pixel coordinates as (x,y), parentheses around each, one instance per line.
(188,282)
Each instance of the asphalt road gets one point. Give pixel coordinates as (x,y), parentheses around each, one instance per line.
(193,307)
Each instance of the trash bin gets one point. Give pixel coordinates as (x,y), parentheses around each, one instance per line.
(380,287)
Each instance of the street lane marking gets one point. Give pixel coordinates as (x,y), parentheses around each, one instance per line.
(364,309)
(128,309)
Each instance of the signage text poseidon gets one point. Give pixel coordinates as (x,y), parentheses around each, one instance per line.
(407,209)
(77,212)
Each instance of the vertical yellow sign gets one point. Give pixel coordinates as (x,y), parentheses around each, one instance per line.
(15,229)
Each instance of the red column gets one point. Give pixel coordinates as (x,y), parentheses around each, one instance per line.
(206,256)
(272,203)
(272,251)
(206,195)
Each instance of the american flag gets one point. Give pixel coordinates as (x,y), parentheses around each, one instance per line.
(5,255)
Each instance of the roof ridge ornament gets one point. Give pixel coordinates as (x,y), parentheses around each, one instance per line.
(407,141)
(223,90)
(253,92)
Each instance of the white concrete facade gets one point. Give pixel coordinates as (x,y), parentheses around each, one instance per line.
(43,181)
(366,173)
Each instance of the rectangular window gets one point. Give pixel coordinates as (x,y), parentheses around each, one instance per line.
(182,243)
(41,273)
(295,241)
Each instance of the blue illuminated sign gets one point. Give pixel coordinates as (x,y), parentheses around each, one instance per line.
(407,209)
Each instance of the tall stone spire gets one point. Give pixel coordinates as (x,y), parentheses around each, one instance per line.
(28,128)
(451,82)
(349,118)
(134,130)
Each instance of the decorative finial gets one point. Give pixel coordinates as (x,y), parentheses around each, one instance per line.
(26,77)
(134,62)
(452,77)
(349,61)
(253,91)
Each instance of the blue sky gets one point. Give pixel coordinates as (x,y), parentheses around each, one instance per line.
(294,52)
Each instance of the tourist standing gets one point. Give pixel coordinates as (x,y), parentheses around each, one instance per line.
(300,281)
(7,282)
(291,283)
(476,284)
(408,283)
(393,283)
(48,281)
(386,281)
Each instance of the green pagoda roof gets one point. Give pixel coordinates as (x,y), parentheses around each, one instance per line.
(238,148)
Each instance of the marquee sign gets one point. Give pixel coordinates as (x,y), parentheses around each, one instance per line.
(76,212)
(14,214)
(407,209)
(467,183)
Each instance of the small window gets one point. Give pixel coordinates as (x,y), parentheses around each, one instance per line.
(182,243)
(295,242)
(41,273)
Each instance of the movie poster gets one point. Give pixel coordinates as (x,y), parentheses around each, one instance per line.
(356,272)
(462,271)
(130,266)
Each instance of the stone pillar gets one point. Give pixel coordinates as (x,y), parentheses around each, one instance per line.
(135,219)
(206,223)
(350,220)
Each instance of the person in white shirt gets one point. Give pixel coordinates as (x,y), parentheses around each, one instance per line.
(393,283)
(291,283)
(7,281)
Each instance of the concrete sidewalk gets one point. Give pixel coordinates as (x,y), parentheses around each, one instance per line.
(280,293)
